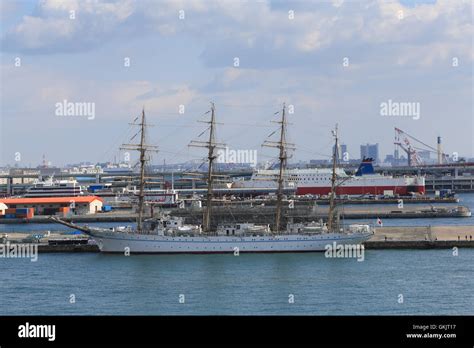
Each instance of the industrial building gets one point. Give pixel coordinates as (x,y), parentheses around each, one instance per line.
(54,205)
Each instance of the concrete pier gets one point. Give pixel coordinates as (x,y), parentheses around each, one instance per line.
(422,237)
(266,214)
(402,237)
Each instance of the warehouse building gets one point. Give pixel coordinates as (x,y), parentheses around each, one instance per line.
(54,205)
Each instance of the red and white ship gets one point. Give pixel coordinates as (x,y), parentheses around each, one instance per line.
(318,181)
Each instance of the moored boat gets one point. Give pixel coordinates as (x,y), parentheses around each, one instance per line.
(318,181)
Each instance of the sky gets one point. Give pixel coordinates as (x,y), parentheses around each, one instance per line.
(332,61)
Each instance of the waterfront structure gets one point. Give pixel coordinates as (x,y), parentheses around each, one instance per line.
(83,169)
(54,205)
(117,168)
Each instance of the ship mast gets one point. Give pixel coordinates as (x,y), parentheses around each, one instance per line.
(283,146)
(333,181)
(211,145)
(142,148)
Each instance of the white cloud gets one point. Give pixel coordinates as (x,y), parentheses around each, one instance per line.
(298,61)
(36,32)
(67,26)
(248,25)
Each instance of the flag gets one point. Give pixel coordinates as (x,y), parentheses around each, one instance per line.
(379,222)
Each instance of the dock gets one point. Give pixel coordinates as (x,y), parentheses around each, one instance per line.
(422,237)
(401,237)
(383,200)
(264,213)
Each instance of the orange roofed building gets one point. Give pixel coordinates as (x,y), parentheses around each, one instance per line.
(52,205)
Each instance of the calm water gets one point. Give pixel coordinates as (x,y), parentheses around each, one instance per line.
(431,282)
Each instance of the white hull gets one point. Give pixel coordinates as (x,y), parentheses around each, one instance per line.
(318,181)
(118,242)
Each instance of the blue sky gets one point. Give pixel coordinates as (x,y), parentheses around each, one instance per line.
(401,51)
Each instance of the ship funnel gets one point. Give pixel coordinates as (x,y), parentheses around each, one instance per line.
(365,167)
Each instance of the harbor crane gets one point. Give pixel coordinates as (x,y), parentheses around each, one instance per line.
(405,141)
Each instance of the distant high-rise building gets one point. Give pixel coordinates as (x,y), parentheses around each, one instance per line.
(425,155)
(318,162)
(389,159)
(370,150)
(396,154)
(342,153)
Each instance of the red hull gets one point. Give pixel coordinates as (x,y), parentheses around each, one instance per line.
(361,190)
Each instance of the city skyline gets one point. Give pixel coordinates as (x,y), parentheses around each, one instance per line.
(428,158)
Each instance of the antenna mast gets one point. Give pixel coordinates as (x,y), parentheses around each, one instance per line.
(283,146)
(142,148)
(211,145)
(333,180)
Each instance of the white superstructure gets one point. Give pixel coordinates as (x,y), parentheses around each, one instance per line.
(54,188)
(318,181)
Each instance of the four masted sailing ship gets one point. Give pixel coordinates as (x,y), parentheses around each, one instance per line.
(167,234)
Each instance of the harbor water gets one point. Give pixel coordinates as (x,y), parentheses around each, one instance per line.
(418,282)
(429,281)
